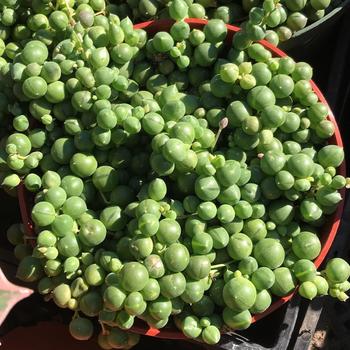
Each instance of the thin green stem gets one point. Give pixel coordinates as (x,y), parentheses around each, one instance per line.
(103,328)
(70,11)
(77,36)
(21,157)
(215,273)
(104,198)
(218,266)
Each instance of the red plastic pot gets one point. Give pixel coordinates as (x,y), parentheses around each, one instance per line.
(329,230)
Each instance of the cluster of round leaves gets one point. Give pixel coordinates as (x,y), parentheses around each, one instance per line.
(143,10)
(276,21)
(273,20)
(172,177)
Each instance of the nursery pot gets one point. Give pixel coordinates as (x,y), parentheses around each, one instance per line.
(315,34)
